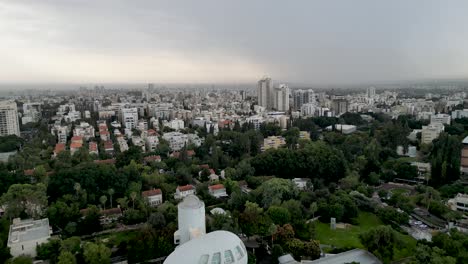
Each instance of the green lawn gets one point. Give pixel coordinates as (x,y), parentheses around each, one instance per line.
(346,237)
(349,237)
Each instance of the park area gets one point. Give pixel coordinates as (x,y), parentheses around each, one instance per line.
(347,236)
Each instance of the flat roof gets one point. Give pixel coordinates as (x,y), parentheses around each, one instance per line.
(28,230)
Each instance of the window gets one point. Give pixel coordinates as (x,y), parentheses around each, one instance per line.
(239,253)
(228,257)
(216,259)
(204,259)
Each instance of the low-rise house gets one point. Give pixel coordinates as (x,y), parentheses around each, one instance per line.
(153,197)
(93,148)
(110,216)
(109,147)
(459,203)
(217,190)
(152,158)
(106,161)
(184,191)
(26,235)
(59,147)
(301,183)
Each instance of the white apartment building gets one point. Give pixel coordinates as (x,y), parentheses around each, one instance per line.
(129,117)
(459,203)
(84,130)
(175,124)
(459,113)
(281,97)
(9,124)
(26,235)
(431,132)
(151,141)
(123,145)
(440,118)
(178,140)
(31,112)
(255,120)
(265,93)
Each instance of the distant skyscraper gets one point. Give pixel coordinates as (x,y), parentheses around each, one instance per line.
(340,106)
(370,92)
(281,98)
(9,124)
(265,93)
(301,97)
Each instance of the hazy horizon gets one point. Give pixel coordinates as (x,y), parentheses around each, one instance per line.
(215,42)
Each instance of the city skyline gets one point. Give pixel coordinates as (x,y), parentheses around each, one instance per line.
(211,42)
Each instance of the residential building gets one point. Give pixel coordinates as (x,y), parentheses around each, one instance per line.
(301,97)
(176,124)
(464,156)
(93,148)
(440,118)
(340,106)
(281,98)
(109,147)
(84,130)
(151,140)
(265,93)
(178,140)
(304,135)
(129,117)
(153,197)
(459,203)
(273,142)
(26,235)
(9,124)
(301,183)
(59,147)
(459,113)
(344,129)
(217,191)
(431,132)
(184,191)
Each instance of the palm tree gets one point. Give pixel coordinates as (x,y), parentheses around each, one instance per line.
(77,188)
(111,192)
(103,201)
(133,197)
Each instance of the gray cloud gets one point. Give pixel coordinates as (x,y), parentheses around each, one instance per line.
(221,41)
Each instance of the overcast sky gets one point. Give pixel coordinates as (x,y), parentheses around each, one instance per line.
(317,42)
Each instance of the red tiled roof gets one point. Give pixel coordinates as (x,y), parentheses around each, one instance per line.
(108,144)
(77,138)
(75,145)
(93,146)
(216,187)
(212,171)
(106,161)
(204,166)
(111,211)
(59,147)
(184,188)
(152,158)
(29,172)
(151,192)
(152,132)
(104,132)
(190,153)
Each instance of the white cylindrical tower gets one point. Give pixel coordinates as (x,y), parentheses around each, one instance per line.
(191,212)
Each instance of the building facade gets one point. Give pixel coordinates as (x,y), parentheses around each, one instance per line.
(9,124)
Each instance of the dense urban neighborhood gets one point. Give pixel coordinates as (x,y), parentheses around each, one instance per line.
(115,175)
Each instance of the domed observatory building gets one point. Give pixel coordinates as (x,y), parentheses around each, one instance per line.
(195,246)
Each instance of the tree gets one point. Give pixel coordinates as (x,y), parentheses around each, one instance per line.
(96,253)
(111,192)
(157,220)
(279,215)
(445,160)
(66,257)
(248,220)
(25,198)
(103,201)
(49,250)
(381,241)
(21,260)
(277,190)
(72,244)
(424,254)
(292,137)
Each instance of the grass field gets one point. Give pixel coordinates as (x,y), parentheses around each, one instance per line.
(349,237)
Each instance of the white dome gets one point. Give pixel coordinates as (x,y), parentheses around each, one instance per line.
(219,247)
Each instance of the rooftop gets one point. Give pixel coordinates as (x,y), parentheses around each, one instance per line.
(185,188)
(357,255)
(152,192)
(28,230)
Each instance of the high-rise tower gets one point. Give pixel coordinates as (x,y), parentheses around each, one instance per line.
(9,124)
